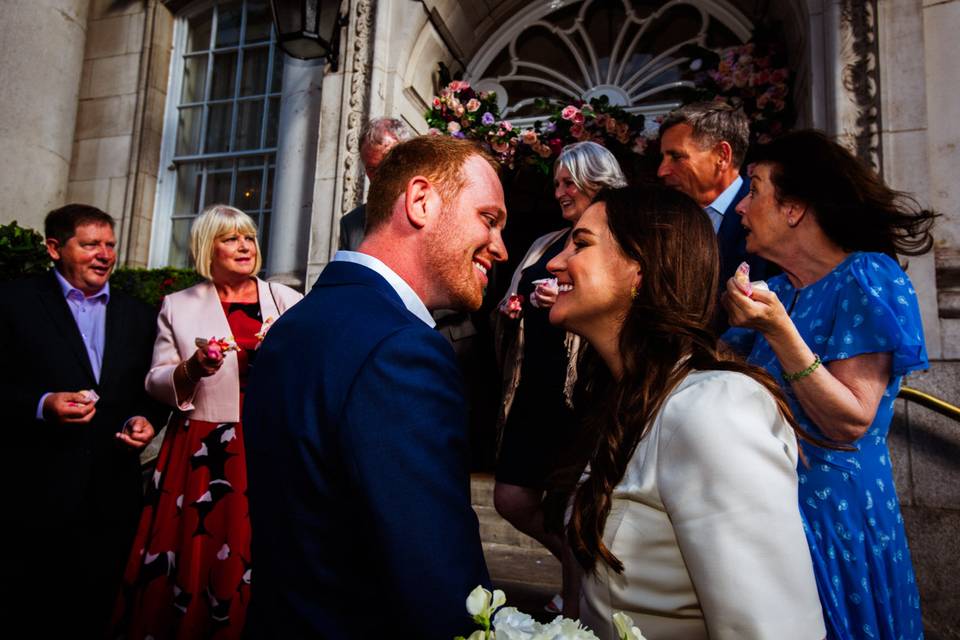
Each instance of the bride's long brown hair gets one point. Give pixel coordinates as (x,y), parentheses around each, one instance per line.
(666,334)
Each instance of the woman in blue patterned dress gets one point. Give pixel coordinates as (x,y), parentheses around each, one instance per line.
(840,328)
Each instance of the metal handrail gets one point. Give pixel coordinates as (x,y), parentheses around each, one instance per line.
(933,403)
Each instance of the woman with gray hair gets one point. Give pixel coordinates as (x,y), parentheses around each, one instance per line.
(188,575)
(539,360)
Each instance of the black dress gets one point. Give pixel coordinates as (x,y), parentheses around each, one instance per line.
(540,424)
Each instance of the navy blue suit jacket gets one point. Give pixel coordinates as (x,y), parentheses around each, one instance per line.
(732,240)
(358,471)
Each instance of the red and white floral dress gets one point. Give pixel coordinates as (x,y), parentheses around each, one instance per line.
(189,572)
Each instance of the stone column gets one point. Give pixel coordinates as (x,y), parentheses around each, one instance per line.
(40,69)
(296,165)
(345,100)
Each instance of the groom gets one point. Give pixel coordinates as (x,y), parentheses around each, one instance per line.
(355,421)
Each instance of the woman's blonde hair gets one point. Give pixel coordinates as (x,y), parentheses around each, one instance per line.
(215,221)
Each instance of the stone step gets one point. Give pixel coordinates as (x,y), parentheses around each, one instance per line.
(481,489)
(535,568)
(494,529)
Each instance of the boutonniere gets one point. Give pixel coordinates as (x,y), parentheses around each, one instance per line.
(215,345)
(260,335)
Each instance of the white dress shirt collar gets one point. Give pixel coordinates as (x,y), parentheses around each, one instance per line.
(410,299)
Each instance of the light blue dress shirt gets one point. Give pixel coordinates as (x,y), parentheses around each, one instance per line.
(718,207)
(90,314)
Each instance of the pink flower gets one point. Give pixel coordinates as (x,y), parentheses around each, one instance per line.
(472,105)
(778,75)
(500,147)
(529,136)
(759,78)
(543,151)
(458,85)
(453,127)
(570,112)
(433,131)
(577,131)
(507,125)
(436,102)
(459,110)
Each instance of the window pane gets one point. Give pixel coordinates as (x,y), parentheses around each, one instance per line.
(218,128)
(248,190)
(224,75)
(249,120)
(188,189)
(188,131)
(180,243)
(276,79)
(218,188)
(268,202)
(194,78)
(263,234)
(255,161)
(259,21)
(254,80)
(198,36)
(273,119)
(228,24)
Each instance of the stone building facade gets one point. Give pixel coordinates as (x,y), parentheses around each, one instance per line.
(124,104)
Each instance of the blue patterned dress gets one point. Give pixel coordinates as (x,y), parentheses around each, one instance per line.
(867,304)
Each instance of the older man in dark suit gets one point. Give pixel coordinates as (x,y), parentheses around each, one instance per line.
(77,416)
(703,146)
(377,137)
(355,417)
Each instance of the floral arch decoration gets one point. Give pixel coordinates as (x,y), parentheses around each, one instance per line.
(635,53)
(606,71)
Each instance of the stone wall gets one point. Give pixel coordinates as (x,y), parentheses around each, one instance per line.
(925,450)
(116,152)
(40,63)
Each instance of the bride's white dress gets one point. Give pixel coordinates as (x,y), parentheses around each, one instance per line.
(707,524)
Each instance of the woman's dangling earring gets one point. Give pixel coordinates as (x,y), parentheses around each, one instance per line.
(633,292)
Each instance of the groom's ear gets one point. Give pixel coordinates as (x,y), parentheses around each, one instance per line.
(420,200)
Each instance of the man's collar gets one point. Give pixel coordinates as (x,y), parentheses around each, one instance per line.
(722,203)
(67,288)
(410,299)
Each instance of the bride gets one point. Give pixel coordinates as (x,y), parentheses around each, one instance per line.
(687,519)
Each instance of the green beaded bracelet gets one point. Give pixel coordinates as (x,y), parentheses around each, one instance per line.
(793,377)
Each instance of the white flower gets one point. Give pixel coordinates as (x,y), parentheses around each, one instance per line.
(625,628)
(512,624)
(481,603)
(565,629)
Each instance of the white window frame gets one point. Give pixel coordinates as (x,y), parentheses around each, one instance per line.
(165,199)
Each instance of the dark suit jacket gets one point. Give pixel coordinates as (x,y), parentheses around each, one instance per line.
(358,474)
(71,494)
(352,228)
(732,240)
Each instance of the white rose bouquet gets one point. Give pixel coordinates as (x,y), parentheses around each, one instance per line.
(507,623)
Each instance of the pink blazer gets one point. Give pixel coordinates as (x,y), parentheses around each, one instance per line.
(196,313)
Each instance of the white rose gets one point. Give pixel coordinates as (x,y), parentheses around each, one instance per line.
(511,624)
(566,629)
